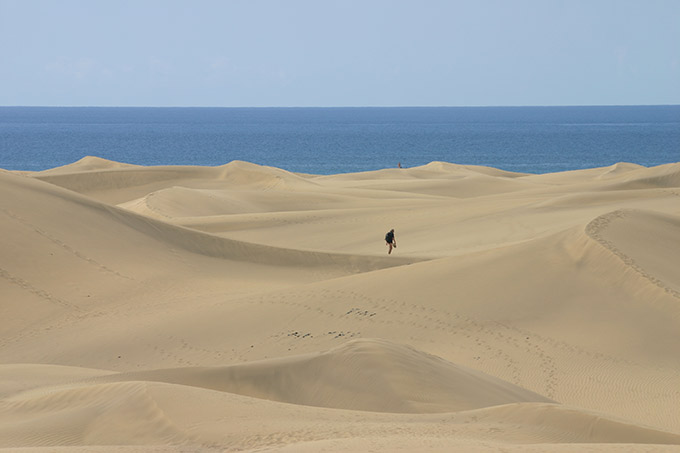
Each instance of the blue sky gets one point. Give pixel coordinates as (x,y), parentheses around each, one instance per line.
(339,52)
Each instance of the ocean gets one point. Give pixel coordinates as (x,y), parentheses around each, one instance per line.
(343,140)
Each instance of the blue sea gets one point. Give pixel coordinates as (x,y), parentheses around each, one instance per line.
(343,140)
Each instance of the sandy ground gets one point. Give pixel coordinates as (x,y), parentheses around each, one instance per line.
(242,307)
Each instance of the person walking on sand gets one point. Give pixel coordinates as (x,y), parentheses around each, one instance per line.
(390,240)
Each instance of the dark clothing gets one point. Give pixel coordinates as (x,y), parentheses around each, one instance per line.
(389,237)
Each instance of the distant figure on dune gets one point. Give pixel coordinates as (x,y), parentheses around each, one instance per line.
(391,241)
(399,165)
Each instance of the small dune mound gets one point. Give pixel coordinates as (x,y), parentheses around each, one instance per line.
(448,167)
(663,176)
(368,375)
(253,176)
(441,167)
(88,163)
(619,169)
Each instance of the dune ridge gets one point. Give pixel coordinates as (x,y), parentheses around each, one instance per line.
(368,374)
(662,229)
(210,245)
(244,307)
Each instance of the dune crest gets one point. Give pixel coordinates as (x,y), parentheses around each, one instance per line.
(88,163)
(457,168)
(645,241)
(367,374)
(262,177)
(619,168)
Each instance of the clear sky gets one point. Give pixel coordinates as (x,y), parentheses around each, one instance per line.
(339,52)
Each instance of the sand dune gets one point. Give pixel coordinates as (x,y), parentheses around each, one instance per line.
(86,164)
(368,375)
(645,241)
(664,176)
(244,307)
(187,418)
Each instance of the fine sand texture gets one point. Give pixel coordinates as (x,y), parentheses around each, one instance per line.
(248,308)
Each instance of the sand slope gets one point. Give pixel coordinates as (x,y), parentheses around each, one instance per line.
(368,375)
(244,307)
(193,417)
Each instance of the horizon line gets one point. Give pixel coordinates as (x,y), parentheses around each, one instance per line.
(336,107)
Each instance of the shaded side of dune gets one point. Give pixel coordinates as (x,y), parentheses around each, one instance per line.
(368,375)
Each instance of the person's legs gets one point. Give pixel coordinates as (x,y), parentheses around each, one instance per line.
(390,250)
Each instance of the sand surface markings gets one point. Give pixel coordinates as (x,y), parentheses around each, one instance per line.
(245,307)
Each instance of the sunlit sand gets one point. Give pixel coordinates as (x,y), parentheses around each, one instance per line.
(244,307)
